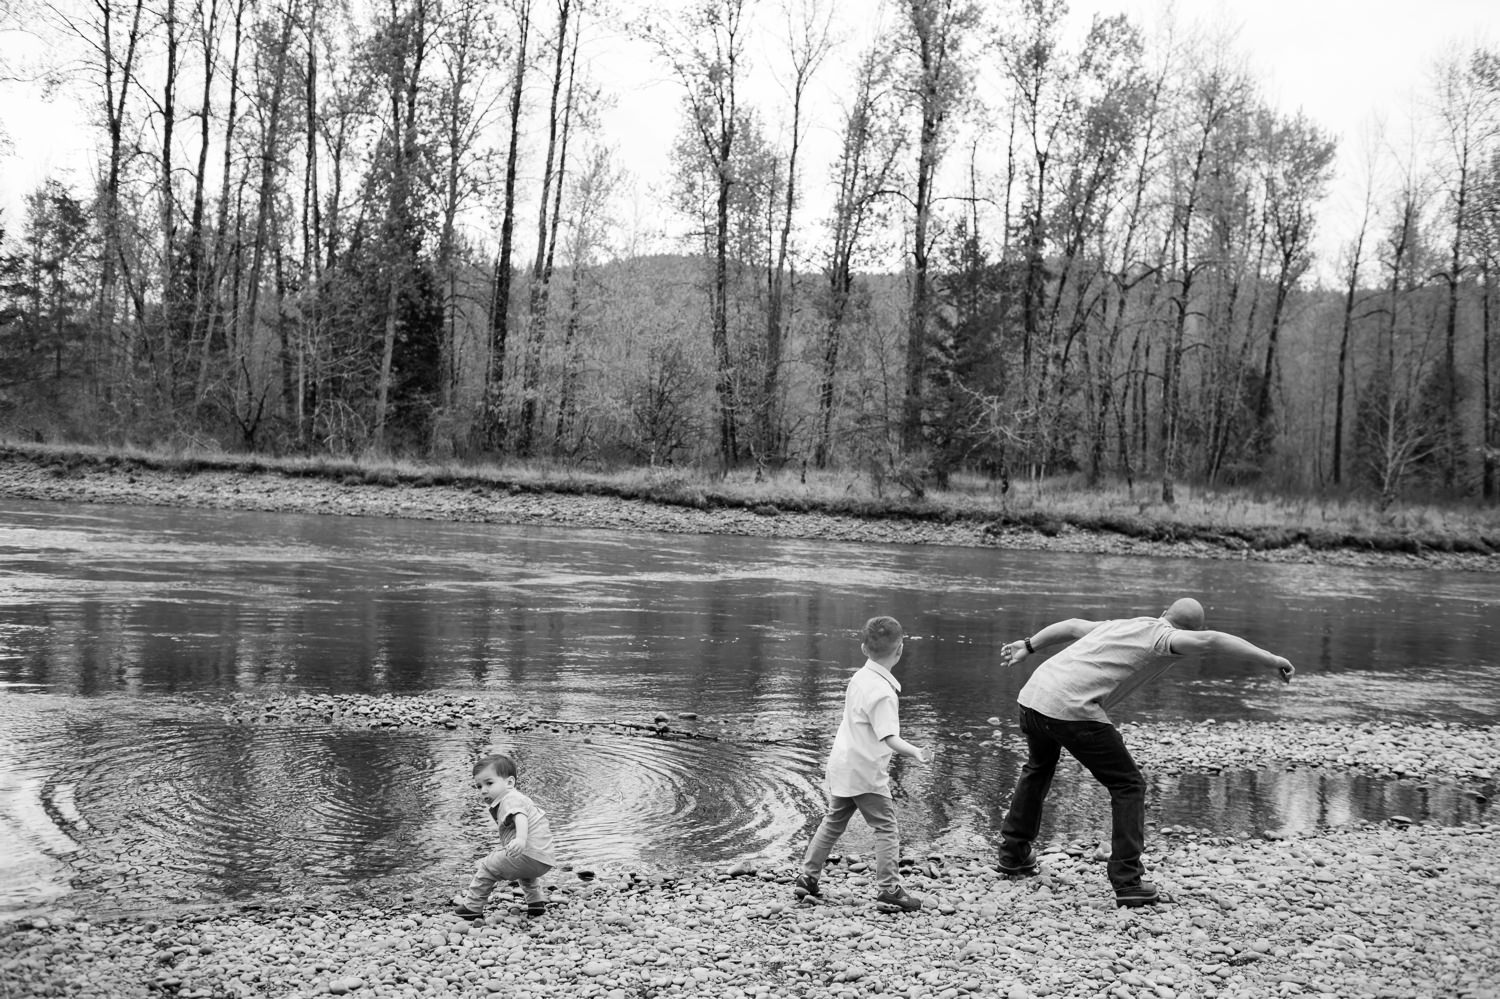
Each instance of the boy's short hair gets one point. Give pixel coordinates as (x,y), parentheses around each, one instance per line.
(504,766)
(880,636)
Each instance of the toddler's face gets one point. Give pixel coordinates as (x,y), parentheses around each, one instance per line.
(492,785)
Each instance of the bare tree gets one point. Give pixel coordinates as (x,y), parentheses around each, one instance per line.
(500,307)
(935,35)
(1300,159)
(1216,94)
(467,104)
(1468,110)
(808,41)
(111,32)
(872,141)
(253,392)
(554,171)
(1354,259)
(407,40)
(706,52)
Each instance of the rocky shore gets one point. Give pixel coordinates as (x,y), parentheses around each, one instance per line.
(32,477)
(1361,913)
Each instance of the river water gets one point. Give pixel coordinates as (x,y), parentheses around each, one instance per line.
(121,629)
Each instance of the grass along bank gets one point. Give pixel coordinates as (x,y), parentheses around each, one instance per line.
(1235,519)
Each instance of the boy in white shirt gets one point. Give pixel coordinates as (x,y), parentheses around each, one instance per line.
(868,736)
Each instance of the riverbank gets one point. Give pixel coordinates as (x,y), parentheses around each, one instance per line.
(1362,913)
(39,475)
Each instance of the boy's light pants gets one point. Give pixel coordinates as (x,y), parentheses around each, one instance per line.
(501,866)
(880,815)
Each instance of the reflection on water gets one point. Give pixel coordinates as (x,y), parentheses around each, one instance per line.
(107,787)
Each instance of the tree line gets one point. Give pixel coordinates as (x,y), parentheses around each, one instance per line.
(398,227)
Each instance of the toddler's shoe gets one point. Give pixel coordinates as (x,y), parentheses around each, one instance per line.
(461,908)
(805,885)
(536,907)
(893,899)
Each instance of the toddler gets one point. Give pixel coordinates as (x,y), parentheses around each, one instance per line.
(525,852)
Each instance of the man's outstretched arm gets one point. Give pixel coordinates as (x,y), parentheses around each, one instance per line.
(1054,634)
(1198,643)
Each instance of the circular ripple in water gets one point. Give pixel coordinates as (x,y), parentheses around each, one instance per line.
(185,810)
(645,803)
(138,808)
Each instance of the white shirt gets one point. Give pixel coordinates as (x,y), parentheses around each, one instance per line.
(860,756)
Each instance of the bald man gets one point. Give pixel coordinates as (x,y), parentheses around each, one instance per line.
(1064,705)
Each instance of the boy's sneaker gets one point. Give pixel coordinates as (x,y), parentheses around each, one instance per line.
(1139,894)
(536,907)
(897,899)
(805,885)
(1023,868)
(461,908)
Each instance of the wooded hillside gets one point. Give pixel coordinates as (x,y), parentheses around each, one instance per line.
(393,228)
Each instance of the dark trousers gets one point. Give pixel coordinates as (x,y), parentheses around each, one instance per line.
(1099,747)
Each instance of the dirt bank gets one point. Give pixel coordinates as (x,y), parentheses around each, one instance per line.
(32,477)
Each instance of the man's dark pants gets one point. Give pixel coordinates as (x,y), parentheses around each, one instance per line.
(1099,747)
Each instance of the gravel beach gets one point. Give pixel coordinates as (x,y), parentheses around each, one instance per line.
(1394,909)
(1391,911)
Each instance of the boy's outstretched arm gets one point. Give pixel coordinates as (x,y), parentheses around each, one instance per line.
(1191,643)
(902,747)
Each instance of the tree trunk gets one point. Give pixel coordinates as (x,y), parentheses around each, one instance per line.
(500,313)
(1346,329)
(541,276)
(169,289)
(254,393)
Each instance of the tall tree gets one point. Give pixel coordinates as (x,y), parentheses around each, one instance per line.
(1353,260)
(1300,164)
(500,307)
(467,104)
(554,171)
(253,393)
(404,50)
(808,41)
(1399,425)
(935,35)
(705,49)
(1468,109)
(111,32)
(172,41)
(871,142)
(1216,94)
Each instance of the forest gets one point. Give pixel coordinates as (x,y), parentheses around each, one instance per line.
(1001,247)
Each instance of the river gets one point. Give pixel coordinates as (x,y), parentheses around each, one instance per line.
(121,627)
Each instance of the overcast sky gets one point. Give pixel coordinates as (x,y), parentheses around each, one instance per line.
(1343,62)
